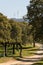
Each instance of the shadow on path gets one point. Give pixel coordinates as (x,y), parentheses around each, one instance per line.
(28,59)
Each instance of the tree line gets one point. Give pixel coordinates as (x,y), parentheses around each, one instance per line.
(18,33)
(14,33)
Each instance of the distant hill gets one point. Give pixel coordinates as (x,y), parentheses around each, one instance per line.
(18,20)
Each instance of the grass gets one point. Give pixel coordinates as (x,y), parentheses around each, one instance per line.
(5,59)
(27,51)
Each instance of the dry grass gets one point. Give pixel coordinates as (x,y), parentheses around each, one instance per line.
(5,59)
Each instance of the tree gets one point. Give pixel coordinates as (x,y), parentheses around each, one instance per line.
(35,16)
(4,31)
(16,33)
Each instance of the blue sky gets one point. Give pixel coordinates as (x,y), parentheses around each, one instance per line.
(13,8)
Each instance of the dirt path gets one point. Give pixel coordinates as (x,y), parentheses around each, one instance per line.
(11,62)
(39,45)
(26,60)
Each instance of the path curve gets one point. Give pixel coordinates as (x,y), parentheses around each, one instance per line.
(26,60)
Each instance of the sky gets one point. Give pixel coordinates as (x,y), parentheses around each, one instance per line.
(14,8)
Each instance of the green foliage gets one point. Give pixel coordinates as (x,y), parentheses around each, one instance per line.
(12,31)
(35,16)
(4,28)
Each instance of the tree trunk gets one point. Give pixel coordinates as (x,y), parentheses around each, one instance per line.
(33,40)
(21,52)
(33,43)
(13,48)
(5,49)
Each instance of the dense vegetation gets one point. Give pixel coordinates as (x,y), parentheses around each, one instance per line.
(13,33)
(19,33)
(35,17)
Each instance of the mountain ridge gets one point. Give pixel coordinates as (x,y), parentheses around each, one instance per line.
(18,19)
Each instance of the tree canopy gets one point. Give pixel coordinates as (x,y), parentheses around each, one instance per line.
(35,16)
(12,31)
